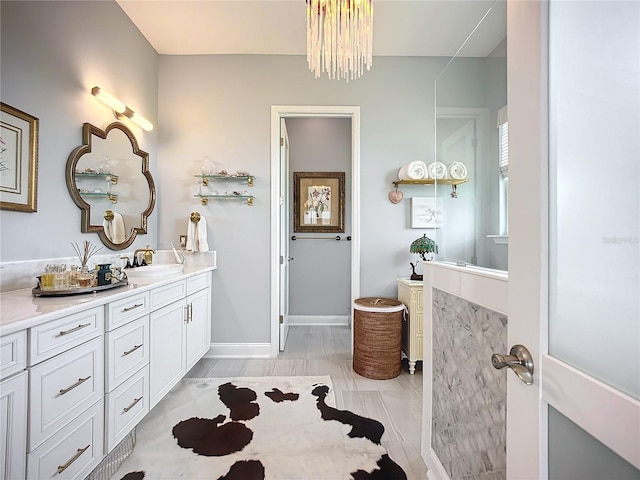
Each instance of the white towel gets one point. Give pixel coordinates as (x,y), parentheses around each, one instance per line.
(458,171)
(197,236)
(413,171)
(437,170)
(114,229)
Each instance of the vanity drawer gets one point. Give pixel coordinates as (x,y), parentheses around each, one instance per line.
(198,283)
(127,351)
(126,406)
(13,353)
(63,387)
(55,337)
(127,309)
(76,449)
(167,294)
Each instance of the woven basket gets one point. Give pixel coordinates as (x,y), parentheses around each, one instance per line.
(377,337)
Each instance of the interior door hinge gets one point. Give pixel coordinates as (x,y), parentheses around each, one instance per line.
(281,319)
(281,260)
(282,141)
(474,143)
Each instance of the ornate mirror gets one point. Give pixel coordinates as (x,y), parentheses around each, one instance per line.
(109,180)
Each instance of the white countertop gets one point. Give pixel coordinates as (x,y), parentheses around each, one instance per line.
(19,309)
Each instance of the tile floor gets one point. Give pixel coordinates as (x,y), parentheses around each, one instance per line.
(313,350)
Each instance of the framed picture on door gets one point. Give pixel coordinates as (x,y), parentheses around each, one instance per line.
(318,201)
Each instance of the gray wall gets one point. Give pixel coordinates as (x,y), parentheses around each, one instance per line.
(52,54)
(320,274)
(220,106)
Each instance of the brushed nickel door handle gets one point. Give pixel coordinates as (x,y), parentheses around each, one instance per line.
(519,360)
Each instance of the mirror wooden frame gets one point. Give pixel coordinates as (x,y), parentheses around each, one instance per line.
(88,131)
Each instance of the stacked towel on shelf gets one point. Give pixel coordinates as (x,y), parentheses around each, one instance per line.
(197,235)
(437,170)
(413,171)
(114,228)
(458,171)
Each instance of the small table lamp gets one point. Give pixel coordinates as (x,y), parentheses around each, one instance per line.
(422,246)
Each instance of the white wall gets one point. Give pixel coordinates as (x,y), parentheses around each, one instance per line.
(220,106)
(52,54)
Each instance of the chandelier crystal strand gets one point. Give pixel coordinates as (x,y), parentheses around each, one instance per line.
(339,37)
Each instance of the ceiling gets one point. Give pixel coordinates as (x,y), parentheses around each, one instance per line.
(271,27)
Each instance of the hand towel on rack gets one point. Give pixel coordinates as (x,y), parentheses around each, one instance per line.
(114,228)
(413,171)
(197,235)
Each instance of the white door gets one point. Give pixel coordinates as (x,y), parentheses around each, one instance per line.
(284,234)
(573,239)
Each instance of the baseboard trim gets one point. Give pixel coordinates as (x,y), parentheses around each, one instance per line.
(435,469)
(239,350)
(328,320)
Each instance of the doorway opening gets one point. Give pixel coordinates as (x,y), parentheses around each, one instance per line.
(281,201)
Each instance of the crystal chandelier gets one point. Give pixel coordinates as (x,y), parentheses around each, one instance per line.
(339,37)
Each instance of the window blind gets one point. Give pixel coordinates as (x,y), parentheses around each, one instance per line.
(503,141)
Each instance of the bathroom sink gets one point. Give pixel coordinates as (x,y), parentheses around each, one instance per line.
(154,270)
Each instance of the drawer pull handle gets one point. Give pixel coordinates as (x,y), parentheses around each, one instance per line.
(79,327)
(77,384)
(135,347)
(135,401)
(131,308)
(62,468)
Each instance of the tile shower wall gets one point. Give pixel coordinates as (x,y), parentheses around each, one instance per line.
(469,395)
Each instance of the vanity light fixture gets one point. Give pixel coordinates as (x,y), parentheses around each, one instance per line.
(120,109)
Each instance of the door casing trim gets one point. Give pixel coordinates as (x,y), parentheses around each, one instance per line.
(327,111)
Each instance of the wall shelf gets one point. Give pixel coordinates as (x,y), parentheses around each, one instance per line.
(113,178)
(430,181)
(111,196)
(245,178)
(204,198)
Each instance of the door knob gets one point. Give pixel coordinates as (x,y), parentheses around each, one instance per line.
(289,258)
(519,360)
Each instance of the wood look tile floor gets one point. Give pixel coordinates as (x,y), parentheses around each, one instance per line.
(315,350)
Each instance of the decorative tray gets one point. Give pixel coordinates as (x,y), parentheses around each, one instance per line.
(39,292)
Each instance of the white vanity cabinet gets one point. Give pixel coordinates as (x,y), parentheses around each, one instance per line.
(66,392)
(74,385)
(180,332)
(13,405)
(198,325)
(127,350)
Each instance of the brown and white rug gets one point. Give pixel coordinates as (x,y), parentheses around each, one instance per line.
(273,428)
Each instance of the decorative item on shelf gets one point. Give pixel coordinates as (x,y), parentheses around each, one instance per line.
(339,37)
(207,167)
(105,165)
(426,248)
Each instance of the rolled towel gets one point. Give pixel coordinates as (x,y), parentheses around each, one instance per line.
(458,171)
(437,170)
(413,171)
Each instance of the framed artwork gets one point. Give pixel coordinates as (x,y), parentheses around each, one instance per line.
(426,212)
(318,201)
(18,160)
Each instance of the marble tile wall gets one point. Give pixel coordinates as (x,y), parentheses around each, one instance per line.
(469,395)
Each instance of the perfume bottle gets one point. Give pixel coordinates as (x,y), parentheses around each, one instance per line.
(208,167)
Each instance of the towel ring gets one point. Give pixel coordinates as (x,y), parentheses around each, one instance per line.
(195,217)
(108,215)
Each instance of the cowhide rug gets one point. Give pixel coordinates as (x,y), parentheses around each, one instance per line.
(274,428)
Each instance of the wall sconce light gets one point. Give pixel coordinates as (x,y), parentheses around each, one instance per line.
(120,109)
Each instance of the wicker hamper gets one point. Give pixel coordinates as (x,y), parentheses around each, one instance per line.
(377,337)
